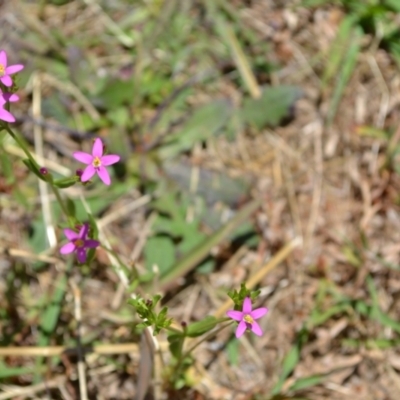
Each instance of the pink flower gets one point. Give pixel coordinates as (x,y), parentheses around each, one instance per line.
(96,162)
(247,318)
(5,71)
(4,98)
(79,243)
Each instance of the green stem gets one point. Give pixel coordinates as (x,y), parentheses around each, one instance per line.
(187,352)
(60,201)
(25,149)
(135,271)
(210,335)
(21,144)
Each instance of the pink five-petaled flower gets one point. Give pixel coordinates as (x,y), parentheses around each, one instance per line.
(96,162)
(247,318)
(5,71)
(4,98)
(78,242)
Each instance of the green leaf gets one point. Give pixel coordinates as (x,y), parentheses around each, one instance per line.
(116,93)
(318,318)
(7,372)
(50,315)
(273,105)
(160,251)
(66,182)
(291,360)
(52,106)
(347,67)
(212,186)
(38,241)
(232,349)
(393,4)
(204,123)
(308,381)
(376,312)
(119,117)
(373,132)
(335,54)
(200,327)
(175,341)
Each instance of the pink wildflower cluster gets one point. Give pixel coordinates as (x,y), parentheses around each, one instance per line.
(96,163)
(6,80)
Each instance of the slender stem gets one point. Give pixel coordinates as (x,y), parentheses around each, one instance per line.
(21,144)
(135,271)
(187,352)
(210,335)
(60,200)
(29,155)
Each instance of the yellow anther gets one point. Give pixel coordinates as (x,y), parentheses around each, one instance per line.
(78,243)
(248,318)
(2,70)
(96,162)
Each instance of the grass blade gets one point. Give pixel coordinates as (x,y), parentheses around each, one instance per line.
(201,251)
(348,64)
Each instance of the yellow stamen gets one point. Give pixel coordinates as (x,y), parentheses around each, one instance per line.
(78,243)
(2,70)
(96,162)
(248,318)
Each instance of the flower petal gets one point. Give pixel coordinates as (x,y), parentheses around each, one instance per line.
(81,156)
(247,306)
(81,255)
(6,80)
(241,329)
(6,115)
(84,231)
(104,175)
(88,173)
(67,248)
(110,159)
(12,69)
(97,150)
(3,58)
(12,97)
(70,234)
(236,315)
(258,312)
(256,328)
(91,244)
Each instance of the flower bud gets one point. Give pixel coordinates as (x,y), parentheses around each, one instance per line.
(149,303)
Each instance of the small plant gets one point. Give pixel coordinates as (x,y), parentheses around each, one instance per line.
(83,241)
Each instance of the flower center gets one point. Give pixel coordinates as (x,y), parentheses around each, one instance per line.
(96,162)
(79,243)
(248,319)
(2,70)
